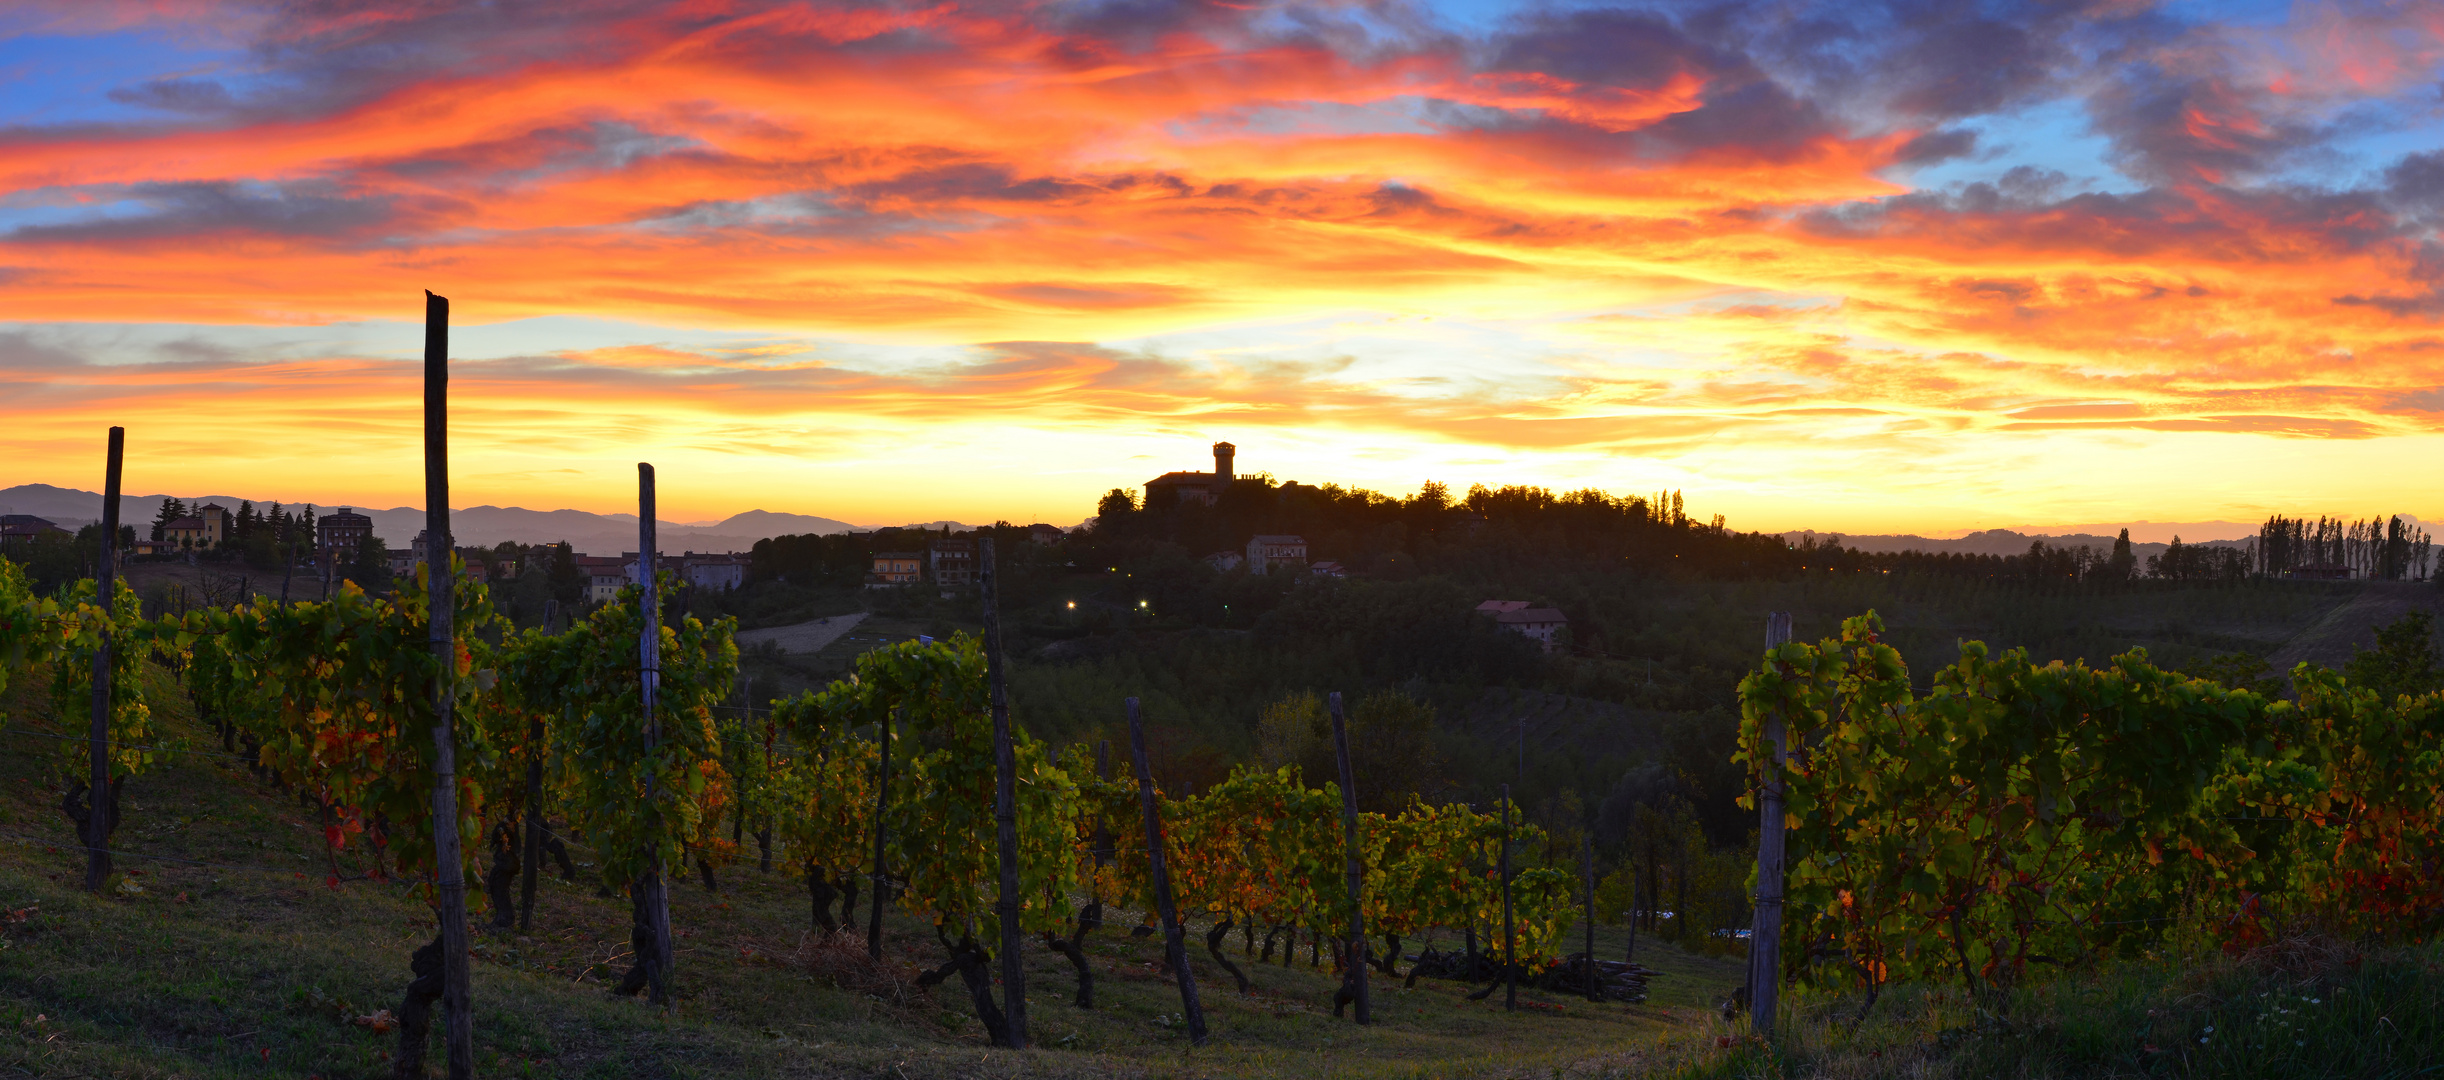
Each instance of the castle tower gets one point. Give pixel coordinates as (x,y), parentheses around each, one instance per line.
(1222,473)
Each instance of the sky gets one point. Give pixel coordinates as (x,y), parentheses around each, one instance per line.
(1865,267)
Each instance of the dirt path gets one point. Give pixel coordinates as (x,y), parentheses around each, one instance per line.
(805,637)
(2352,624)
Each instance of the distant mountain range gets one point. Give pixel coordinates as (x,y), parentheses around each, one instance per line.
(600,534)
(1992,542)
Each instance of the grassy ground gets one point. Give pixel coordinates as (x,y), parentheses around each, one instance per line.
(2304,1008)
(240,961)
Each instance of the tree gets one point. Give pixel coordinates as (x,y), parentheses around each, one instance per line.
(2403,661)
(1116,511)
(171,510)
(369,565)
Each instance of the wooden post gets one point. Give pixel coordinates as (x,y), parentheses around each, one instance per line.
(98,801)
(1005,805)
(1510,928)
(882,806)
(1352,861)
(535,735)
(1175,945)
(653,888)
(1765,934)
(458,1022)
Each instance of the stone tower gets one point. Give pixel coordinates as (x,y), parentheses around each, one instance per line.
(1222,474)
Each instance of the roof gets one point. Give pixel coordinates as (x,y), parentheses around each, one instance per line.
(25,519)
(899,555)
(345,517)
(1531,616)
(1276,538)
(1201,479)
(194,523)
(1497,607)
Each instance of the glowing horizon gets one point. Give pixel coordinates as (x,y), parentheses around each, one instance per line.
(1889,269)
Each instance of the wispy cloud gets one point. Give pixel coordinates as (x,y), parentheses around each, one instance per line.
(1691,228)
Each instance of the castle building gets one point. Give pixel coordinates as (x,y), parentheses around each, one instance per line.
(342,531)
(1174,488)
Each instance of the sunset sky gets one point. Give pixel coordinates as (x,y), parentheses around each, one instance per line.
(1917,266)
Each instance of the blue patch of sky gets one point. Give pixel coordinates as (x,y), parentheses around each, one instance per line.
(68,206)
(2053,135)
(57,79)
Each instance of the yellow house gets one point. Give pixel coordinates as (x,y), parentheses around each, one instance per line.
(896,568)
(207,527)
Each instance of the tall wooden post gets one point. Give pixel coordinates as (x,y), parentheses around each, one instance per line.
(1005,805)
(1765,934)
(98,800)
(882,807)
(458,1021)
(535,735)
(1175,945)
(1353,863)
(1510,928)
(653,887)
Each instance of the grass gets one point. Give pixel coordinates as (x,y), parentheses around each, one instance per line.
(240,961)
(2302,1009)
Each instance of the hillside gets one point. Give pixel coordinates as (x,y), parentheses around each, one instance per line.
(227,955)
(481,526)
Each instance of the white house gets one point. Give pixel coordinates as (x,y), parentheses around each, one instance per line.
(1543,624)
(1267,551)
(707,570)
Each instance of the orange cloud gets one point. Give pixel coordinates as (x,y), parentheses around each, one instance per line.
(1686,242)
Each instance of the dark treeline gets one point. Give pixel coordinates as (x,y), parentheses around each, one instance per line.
(2382,547)
(1386,537)
(2042,563)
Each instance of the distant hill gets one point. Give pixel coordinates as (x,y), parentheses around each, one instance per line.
(1990,542)
(600,534)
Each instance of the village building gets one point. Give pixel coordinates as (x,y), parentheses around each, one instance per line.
(718,572)
(203,530)
(1266,551)
(605,575)
(1040,533)
(1541,624)
(954,561)
(1178,488)
(22,531)
(340,533)
(892,568)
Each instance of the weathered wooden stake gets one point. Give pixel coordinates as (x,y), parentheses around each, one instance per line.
(457,1018)
(653,887)
(1765,934)
(98,801)
(1005,805)
(1510,929)
(1175,945)
(882,806)
(1353,864)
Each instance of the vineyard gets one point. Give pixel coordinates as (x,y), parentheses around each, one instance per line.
(2018,818)
(324,703)
(2012,821)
